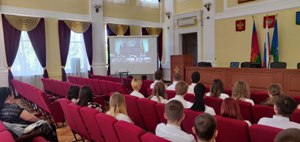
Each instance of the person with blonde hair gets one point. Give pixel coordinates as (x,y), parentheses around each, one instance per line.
(117,107)
(136,85)
(181,89)
(176,78)
(241,92)
(159,93)
(274,91)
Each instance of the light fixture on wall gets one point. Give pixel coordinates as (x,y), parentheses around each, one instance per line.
(207,6)
(97,7)
(168,14)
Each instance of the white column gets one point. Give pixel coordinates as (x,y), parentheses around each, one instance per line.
(209,31)
(168,43)
(3,70)
(99,64)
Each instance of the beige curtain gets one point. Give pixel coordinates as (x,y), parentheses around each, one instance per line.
(153,31)
(118,29)
(23,23)
(77,26)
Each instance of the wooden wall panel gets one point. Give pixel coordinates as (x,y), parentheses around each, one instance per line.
(292,81)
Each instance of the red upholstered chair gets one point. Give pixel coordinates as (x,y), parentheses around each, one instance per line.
(262,133)
(5,135)
(228,92)
(98,90)
(81,128)
(90,122)
(188,121)
(39,139)
(149,137)
(119,87)
(146,85)
(297,99)
(106,125)
(231,130)
(128,132)
(149,115)
(171,94)
(259,97)
(133,110)
(295,116)
(260,111)
(149,91)
(160,110)
(110,86)
(189,97)
(214,102)
(207,88)
(246,110)
(104,86)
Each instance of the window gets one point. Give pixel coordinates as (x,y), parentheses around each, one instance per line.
(77,61)
(26,62)
(117,1)
(149,3)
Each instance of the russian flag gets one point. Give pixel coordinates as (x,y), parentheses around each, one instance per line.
(266,62)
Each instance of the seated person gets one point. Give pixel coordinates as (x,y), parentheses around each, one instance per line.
(274,91)
(231,109)
(174,113)
(158,78)
(241,92)
(13,114)
(176,78)
(117,107)
(159,93)
(199,104)
(288,135)
(205,128)
(86,98)
(136,85)
(181,89)
(73,93)
(284,106)
(217,89)
(195,78)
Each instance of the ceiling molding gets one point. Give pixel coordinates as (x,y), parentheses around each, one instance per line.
(131,22)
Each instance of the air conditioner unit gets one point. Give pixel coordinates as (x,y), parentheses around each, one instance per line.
(187,21)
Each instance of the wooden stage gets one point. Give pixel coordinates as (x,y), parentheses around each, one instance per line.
(258,79)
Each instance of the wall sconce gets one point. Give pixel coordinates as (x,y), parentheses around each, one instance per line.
(97,7)
(207,6)
(168,14)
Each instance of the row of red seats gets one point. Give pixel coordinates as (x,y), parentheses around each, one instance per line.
(56,87)
(147,114)
(40,99)
(99,87)
(107,78)
(6,136)
(99,127)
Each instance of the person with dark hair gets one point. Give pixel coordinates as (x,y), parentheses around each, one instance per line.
(73,93)
(158,78)
(176,78)
(159,93)
(195,78)
(174,113)
(274,91)
(181,89)
(284,106)
(231,109)
(86,99)
(199,104)
(288,135)
(205,128)
(217,90)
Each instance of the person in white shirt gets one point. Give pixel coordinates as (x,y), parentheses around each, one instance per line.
(174,113)
(205,128)
(199,104)
(195,78)
(217,89)
(117,107)
(288,135)
(241,92)
(284,106)
(136,85)
(158,75)
(181,89)
(159,93)
(176,78)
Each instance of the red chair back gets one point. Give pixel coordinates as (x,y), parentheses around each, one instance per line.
(171,94)
(189,97)
(246,110)
(214,102)
(119,87)
(259,97)
(262,133)
(149,137)
(68,116)
(106,125)
(160,110)
(260,111)
(189,119)
(149,114)
(146,85)
(133,110)
(81,128)
(295,117)
(128,132)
